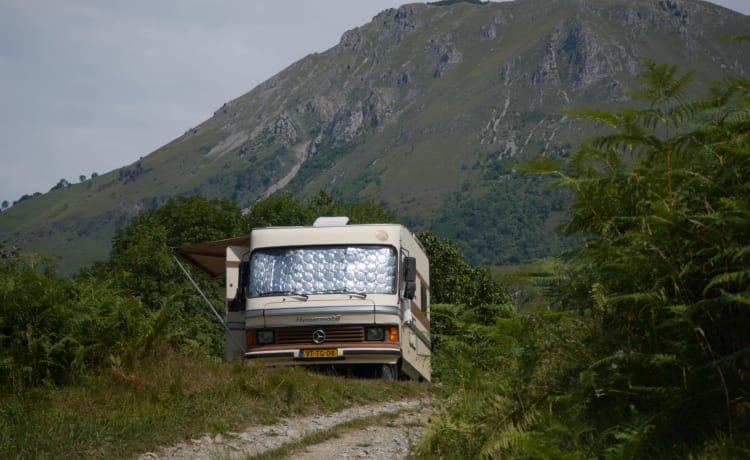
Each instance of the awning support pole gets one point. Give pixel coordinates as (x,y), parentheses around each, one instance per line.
(208,302)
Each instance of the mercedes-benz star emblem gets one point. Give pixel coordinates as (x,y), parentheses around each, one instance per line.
(319,336)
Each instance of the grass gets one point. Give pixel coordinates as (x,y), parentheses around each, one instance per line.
(122,413)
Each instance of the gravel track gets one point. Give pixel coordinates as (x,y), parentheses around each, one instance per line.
(390,440)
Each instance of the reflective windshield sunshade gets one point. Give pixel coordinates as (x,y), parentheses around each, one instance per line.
(323,269)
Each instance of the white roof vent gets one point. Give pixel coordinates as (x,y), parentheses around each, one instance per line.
(331,221)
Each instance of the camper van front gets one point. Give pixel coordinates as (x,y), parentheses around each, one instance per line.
(314,300)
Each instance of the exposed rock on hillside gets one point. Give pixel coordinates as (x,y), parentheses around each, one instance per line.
(425,109)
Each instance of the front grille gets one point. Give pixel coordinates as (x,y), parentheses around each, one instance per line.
(303,335)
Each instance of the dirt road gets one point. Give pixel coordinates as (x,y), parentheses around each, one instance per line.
(390,430)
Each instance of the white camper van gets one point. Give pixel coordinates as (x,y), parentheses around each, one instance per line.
(330,294)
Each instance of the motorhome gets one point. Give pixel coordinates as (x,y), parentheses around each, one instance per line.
(350,296)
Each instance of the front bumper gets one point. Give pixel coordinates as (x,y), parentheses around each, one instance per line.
(366,354)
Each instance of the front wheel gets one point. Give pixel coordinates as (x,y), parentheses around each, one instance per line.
(388,372)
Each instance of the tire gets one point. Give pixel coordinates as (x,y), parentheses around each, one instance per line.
(388,372)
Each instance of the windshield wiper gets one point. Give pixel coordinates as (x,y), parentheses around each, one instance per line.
(287,293)
(361,295)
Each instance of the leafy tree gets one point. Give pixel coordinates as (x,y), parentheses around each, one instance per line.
(5,204)
(455,281)
(141,264)
(281,209)
(27,197)
(325,204)
(63,183)
(517,215)
(368,213)
(140,251)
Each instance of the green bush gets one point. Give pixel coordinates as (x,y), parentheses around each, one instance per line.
(36,323)
(643,350)
(53,328)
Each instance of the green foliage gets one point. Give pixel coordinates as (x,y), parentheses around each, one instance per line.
(646,352)
(283,209)
(112,327)
(141,265)
(322,160)
(35,323)
(664,202)
(182,220)
(325,204)
(518,216)
(454,280)
(498,380)
(280,209)
(53,329)
(115,313)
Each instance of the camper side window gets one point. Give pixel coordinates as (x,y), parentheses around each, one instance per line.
(410,277)
(238,302)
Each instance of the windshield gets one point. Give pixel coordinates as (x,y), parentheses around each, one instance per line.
(323,269)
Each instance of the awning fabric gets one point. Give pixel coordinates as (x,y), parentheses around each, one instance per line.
(210,256)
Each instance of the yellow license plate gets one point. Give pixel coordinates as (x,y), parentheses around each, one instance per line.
(320,353)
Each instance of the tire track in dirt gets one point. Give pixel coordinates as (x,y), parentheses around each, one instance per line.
(390,440)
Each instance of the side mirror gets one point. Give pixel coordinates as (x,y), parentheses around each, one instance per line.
(410,277)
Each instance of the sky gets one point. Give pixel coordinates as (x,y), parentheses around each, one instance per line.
(93,85)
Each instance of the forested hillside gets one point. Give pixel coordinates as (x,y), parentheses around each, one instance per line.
(425,110)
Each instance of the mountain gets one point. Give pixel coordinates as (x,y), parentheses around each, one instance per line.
(426,109)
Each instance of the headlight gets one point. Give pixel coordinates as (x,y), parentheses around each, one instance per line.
(265,337)
(374,333)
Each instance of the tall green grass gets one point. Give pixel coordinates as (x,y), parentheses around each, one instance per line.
(119,413)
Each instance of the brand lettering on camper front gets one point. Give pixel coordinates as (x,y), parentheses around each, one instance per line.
(317,319)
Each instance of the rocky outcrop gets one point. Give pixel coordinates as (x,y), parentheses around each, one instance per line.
(487,33)
(283,130)
(350,41)
(575,57)
(404,18)
(345,127)
(448,55)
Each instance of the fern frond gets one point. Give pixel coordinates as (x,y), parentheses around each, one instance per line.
(629,440)
(511,435)
(738,278)
(661,84)
(602,117)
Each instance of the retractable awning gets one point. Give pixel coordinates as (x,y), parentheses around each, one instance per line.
(210,256)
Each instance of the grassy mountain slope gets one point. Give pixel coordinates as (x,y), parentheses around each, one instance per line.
(425,109)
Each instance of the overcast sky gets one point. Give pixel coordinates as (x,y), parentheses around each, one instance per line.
(92,85)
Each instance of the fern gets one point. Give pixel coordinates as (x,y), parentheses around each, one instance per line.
(511,435)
